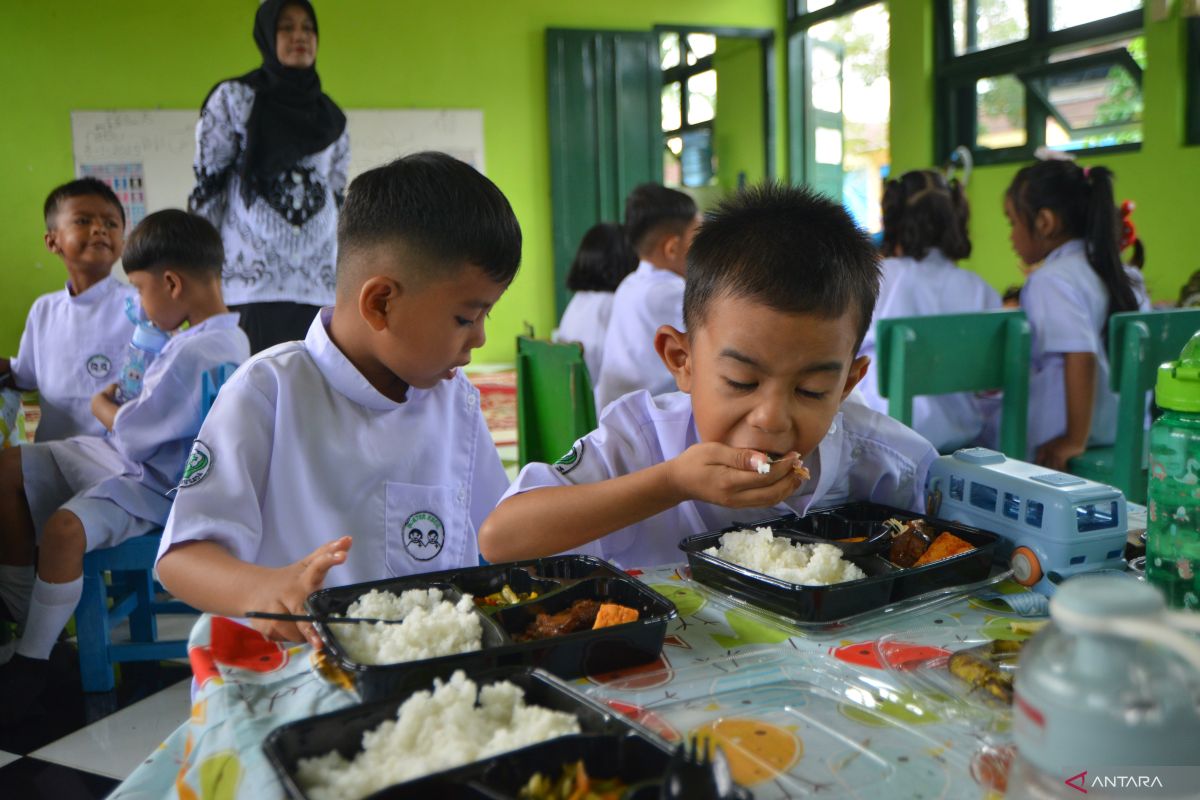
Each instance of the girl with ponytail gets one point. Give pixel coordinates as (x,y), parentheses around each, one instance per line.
(1064,216)
(924,235)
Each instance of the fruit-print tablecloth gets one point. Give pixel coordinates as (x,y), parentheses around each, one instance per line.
(800,713)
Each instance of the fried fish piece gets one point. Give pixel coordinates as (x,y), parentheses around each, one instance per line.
(977,666)
(944,546)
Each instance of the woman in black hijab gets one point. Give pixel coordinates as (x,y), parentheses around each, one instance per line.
(271,160)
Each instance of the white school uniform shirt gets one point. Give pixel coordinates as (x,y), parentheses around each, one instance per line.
(71,349)
(865,456)
(585,320)
(1067,306)
(300,449)
(920,288)
(138,464)
(647,298)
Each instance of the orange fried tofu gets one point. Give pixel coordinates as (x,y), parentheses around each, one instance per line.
(613,614)
(944,546)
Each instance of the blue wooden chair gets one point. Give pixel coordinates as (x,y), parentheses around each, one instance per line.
(130,593)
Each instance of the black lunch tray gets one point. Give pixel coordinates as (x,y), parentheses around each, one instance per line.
(610,746)
(559,580)
(885,582)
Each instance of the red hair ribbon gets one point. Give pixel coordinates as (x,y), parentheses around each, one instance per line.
(1128,231)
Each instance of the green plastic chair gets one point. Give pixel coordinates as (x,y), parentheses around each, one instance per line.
(952,353)
(1137,343)
(554,399)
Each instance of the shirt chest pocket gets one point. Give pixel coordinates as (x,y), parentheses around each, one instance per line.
(426,528)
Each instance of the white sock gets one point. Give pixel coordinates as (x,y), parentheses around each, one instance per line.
(16,585)
(51,606)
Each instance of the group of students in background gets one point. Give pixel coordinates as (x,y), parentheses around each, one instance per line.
(1065,228)
(724,347)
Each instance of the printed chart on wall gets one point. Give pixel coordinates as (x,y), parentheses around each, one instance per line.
(146,155)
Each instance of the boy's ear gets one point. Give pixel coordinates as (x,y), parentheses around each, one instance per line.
(52,242)
(374,297)
(1045,223)
(672,245)
(674,348)
(174,283)
(858,369)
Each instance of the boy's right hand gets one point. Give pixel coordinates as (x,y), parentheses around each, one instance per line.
(727,476)
(288,587)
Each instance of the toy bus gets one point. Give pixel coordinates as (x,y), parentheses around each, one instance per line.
(1055,525)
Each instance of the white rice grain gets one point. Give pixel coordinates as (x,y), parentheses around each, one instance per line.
(431,627)
(807,564)
(433,732)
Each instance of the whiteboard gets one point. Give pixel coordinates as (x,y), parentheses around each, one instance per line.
(157,146)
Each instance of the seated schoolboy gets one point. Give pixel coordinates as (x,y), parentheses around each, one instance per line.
(367,428)
(90,491)
(74,338)
(780,288)
(660,224)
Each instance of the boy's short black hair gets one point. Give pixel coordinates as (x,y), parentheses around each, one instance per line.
(651,207)
(787,247)
(602,261)
(174,239)
(441,209)
(80,187)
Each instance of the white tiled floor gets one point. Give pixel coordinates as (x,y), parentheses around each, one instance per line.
(117,744)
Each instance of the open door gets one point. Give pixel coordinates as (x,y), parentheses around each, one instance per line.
(604,106)
(824,129)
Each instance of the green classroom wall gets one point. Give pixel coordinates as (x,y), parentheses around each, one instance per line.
(383,53)
(1161,178)
(72,55)
(739,123)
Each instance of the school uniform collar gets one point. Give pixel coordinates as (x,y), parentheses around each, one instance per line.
(214,323)
(646,268)
(343,375)
(94,293)
(1071,249)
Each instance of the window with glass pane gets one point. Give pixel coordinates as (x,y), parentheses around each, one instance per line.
(849,109)
(701,45)
(999,112)
(983,24)
(702,97)
(983,496)
(1069,13)
(672,113)
(1098,103)
(668,50)
(1096,516)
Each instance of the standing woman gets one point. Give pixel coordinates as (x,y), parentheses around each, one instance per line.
(271,160)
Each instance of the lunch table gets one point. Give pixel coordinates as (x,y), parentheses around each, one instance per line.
(801,711)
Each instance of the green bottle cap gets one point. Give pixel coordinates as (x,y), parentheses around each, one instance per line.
(1178,385)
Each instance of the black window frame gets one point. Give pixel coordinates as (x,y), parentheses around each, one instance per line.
(955,76)
(681,73)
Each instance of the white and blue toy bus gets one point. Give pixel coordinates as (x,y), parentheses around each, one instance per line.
(1055,525)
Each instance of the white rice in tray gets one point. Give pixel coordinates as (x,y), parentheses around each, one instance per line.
(432,627)
(808,564)
(433,732)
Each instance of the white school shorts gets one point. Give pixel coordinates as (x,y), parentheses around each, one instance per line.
(48,489)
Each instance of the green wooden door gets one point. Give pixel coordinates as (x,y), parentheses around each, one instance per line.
(605,131)
(825,131)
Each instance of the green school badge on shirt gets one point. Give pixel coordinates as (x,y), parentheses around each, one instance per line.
(198,463)
(571,460)
(99,365)
(424,535)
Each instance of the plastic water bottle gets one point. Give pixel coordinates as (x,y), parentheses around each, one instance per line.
(147,342)
(1173,530)
(1105,696)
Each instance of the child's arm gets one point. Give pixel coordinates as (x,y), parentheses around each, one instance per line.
(1079,383)
(549,520)
(104,406)
(208,577)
